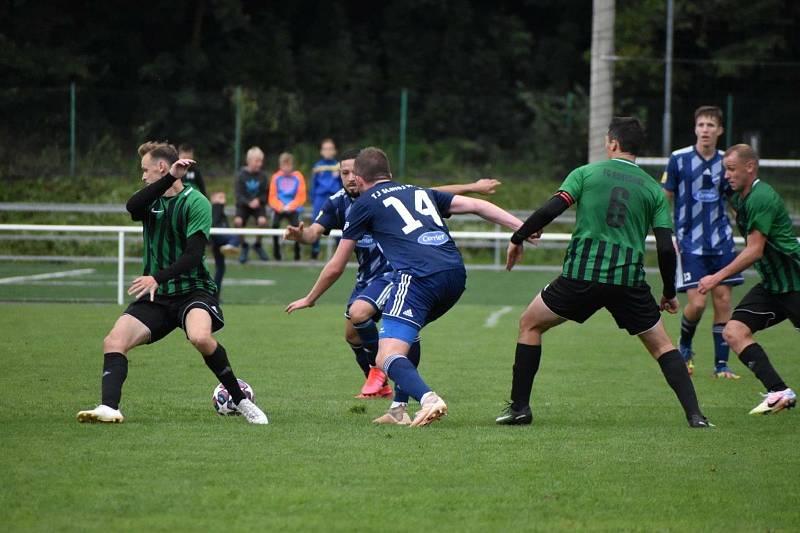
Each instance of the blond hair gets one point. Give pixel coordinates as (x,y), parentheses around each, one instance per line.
(254,151)
(744,151)
(159,150)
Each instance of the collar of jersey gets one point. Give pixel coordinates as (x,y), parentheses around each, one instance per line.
(624,161)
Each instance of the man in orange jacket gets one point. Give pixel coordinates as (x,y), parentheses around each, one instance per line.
(287,194)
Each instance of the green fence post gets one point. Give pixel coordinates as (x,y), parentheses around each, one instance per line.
(403,124)
(237,134)
(729,121)
(72,119)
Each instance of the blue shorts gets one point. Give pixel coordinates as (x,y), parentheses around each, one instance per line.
(415,302)
(375,292)
(693,267)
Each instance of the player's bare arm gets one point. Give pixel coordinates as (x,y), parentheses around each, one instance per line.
(751,253)
(484,186)
(303,234)
(330,273)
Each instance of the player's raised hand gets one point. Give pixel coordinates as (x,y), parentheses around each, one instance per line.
(514,255)
(296,305)
(142,285)
(179,167)
(294,233)
(670,305)
(486,186)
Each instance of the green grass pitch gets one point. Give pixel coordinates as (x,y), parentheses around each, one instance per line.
(608,450)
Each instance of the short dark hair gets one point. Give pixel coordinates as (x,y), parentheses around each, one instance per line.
(372,164)
(349,154)
(628,132)
(185,147)
(159,150)
(709,111)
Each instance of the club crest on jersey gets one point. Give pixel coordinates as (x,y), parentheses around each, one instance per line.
(433,238)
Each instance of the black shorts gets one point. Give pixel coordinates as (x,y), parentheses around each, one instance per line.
(166,313)
(761,309)
(633,308)
(244,212)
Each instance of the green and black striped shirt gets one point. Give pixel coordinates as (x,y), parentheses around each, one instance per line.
(763,210)
(169,222)
(618,203)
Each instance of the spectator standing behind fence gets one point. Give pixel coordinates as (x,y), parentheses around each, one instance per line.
(287,194)
(326,181)
(221,245)
(251,194)
(193,176)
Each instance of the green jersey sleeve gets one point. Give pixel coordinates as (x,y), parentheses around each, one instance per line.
(198,217)
(761,212)
(573,183)
(661,216)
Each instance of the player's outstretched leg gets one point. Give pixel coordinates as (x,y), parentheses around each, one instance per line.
(376,384)
(127,333)
(675,372)
(397,414)
(198,330)
(392,357)
(752,355)
(535,320)
(721,298)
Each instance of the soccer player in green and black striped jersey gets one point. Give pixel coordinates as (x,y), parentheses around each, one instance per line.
(175,289)
(617,203)
(773,248)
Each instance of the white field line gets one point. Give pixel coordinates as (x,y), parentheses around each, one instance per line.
(494,318)
(47,275)
(103,283)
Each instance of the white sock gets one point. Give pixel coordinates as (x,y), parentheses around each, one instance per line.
(424,397)
(398,404)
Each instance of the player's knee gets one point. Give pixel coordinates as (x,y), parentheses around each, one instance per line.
(528,324)
(734,333)
(201,340)
(360,313)
(113,342)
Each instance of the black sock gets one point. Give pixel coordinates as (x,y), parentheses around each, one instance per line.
(526,364)
(687,330)
(674,368)
(115,370)
(755,358)
(361,357)
(219,365)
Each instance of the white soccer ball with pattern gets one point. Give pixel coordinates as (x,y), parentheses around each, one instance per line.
(223,403)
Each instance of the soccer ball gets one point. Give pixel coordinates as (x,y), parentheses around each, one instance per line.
(223,403)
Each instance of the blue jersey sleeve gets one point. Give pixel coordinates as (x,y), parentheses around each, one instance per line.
(442,201)
(328,217)
(670,178)
(358,221)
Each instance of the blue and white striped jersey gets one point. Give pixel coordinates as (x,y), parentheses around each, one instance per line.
(700,188)
(371,262)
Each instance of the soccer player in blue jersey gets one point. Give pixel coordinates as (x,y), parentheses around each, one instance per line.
(365,304)
(407,224)
(694,181)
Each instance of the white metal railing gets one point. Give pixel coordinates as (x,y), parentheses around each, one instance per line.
(122,231)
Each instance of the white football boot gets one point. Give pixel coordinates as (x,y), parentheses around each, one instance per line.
(101,413)
(432,409)
(774,402)
(251,412)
